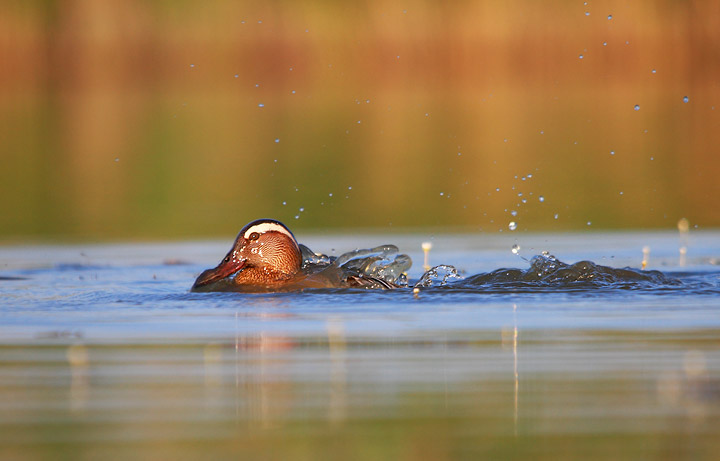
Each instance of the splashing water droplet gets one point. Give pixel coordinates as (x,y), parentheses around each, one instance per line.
(301,209)
(515,249)
(580,57)
(261,105)
(277,139)
(556,215)
(284,203)
(604,43)
(686,99)
(297,216)
(589,223)
(512,226)
(612,152)
(654,71)
(541,198)
(237,75)
(610,17)
(513,213)
(637,106)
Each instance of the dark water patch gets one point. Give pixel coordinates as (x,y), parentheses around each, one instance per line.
(546,269)
(547,274)
(79,267)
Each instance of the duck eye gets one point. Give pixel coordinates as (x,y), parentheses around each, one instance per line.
(254,236)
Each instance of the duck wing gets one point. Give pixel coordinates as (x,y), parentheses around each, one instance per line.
(367,281)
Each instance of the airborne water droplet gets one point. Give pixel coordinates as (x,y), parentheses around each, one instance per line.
(512,226)
(637,106)
(686,99)
(515,249)
(541,198)
(261,105)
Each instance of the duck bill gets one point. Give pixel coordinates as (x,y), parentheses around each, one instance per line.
(224,269)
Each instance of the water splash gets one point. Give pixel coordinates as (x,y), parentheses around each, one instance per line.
(379,267)
(547,271)
(441,273)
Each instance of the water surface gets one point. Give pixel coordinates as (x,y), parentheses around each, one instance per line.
(105,352)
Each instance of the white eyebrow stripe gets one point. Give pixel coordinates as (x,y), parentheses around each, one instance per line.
(266,227)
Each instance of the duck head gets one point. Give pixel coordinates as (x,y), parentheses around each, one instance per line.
(264,252)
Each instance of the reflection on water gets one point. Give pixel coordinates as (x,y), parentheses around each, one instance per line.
(459,392)
(115,357)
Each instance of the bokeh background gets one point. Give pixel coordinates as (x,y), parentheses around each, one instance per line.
(124,119)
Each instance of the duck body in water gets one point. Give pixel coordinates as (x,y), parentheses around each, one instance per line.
(266,257)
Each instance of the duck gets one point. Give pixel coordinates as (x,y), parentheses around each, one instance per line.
(266,257)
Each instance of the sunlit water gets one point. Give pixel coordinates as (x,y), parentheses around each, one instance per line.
(105,352)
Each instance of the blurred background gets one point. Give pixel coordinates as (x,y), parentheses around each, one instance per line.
(124,120)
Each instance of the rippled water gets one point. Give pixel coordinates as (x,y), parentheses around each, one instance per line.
(105,352)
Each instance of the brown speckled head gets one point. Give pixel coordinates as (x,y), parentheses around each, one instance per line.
(265,252)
